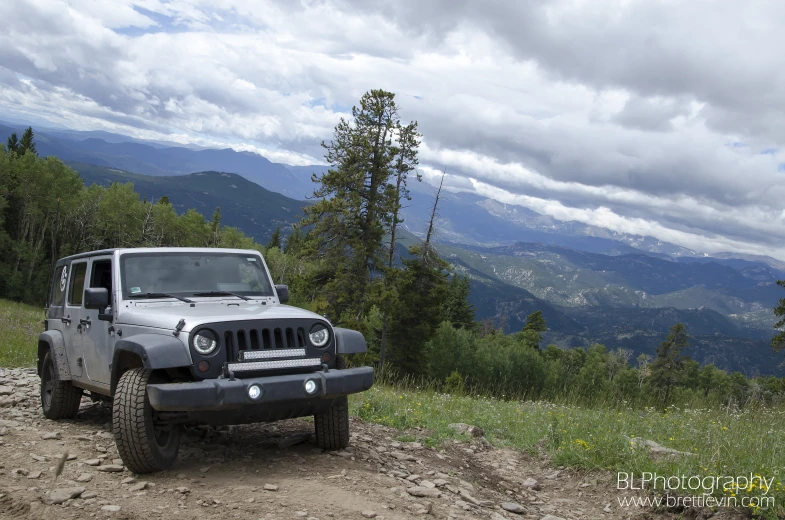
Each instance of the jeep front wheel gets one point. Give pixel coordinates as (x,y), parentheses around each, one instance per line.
(144,444)
(59,399)
(332,426)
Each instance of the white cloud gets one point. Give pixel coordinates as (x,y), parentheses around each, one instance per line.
(621,114)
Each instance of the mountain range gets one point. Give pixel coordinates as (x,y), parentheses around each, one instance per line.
(592,284)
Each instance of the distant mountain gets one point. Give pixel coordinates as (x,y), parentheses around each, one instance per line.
(153,159)
(244,204)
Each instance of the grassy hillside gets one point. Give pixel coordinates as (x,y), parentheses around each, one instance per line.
(20,326)
(244,204)
(723,442)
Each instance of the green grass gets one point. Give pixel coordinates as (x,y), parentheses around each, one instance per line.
(726,443)
(20,326)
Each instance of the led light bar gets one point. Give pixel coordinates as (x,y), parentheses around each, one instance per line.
(280,363)
(246,355)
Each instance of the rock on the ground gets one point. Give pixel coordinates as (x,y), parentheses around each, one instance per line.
(58,496)
(513,507)
(110,468)
(369,514)
(139,486)
(658,451)
(551,517)
(48,436)
(419,491)
(531,484)
(84,477)
(270,487)
(110,508)
(468,429)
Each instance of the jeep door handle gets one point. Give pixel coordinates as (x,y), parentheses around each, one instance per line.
(85,322)
(67,321)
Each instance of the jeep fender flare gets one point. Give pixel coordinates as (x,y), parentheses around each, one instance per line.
(52,341)
(349,341)
(153,351)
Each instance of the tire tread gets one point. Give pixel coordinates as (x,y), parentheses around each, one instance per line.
(66,398)
(332,426)
(129,422)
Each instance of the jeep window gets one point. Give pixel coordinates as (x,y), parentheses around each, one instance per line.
(184,274)
(76,287)
(57,297)
(102,275)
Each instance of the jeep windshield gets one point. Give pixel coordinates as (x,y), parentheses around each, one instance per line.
(182,275)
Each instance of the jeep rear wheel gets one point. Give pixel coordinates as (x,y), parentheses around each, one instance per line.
(332,426)
(59,399)
(144,444)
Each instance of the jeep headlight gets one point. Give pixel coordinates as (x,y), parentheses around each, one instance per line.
(205,342)
(319,335)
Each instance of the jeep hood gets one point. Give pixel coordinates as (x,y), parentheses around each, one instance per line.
(166,315)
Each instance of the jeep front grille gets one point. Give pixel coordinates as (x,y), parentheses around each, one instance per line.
(265,339)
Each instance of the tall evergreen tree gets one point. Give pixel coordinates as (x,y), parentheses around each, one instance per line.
(356,204)
(667,368)
(458,310)
(27,144)
(13,143)
(275,239)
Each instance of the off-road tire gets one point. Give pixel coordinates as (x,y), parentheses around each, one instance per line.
(59,399)
(132,423)
(332,426)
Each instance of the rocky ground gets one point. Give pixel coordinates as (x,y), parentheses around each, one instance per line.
(274,471)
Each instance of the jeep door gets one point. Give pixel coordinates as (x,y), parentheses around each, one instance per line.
(97,344)
(72,330)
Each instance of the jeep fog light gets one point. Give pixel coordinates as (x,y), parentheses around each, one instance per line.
(254,392)
(310,386)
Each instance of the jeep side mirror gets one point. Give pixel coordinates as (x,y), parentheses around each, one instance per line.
(283,293)
(96,298)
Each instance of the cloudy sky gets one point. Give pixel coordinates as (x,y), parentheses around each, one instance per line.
(661,118)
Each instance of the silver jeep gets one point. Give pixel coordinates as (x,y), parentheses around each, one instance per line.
(174,336)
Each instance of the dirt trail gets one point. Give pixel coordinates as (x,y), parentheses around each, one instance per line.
(252,472)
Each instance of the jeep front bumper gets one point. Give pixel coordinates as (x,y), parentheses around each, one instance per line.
(228,394)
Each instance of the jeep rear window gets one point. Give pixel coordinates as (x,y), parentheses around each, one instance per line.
(185,274)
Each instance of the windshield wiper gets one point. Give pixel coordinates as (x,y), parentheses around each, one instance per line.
(160,295)
(221,293)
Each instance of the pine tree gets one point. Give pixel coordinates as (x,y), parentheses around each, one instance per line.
(27,144)
(275,239)
(13,143)
(457,308)
(535,325)
(294,242)
(164,200)
(356,204)
(667,368)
